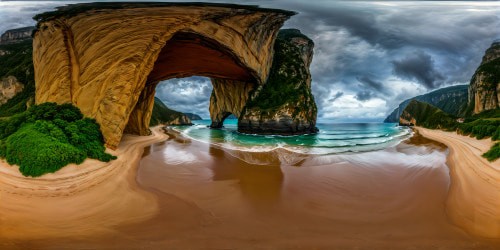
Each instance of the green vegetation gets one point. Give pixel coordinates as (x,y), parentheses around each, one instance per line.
(287,79)
(429,116)
(163,114)
(18,62)
(47,137)
(493,153)
(480,126)
(491,71)
(452,100)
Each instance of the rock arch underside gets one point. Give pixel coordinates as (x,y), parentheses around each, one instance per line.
(108,58)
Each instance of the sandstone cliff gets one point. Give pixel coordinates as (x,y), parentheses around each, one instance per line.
(106,58)
(228,97)
(285,104)
(484,89)
(9,87)
(16,35)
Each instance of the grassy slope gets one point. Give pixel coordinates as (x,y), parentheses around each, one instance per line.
(452,100)
(163,114)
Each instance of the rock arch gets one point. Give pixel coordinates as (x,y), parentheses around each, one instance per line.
(107,58)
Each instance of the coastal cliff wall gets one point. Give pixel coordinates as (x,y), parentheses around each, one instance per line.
(285,104)
(16,35)
(107,58)
(484,89)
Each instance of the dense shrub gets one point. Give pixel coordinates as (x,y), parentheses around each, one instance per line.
(493,153)
(48,136)
(481,128)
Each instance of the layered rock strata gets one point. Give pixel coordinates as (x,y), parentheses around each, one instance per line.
(107,58)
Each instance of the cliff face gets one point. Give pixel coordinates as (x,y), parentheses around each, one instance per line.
(228,97)
(107,58)
(9,87)
(452,100)
(16,35)
(163,115)
(484,89)
(285,104)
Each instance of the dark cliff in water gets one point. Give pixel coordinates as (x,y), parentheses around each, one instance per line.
(285,104)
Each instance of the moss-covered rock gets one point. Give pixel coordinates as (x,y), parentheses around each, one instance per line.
(284,104)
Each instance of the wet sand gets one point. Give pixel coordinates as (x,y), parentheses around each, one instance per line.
(200,196)
(473,202)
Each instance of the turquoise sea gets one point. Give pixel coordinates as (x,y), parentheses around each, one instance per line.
(332,138)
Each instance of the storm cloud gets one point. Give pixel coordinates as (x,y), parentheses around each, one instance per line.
(418,66)
(368,56)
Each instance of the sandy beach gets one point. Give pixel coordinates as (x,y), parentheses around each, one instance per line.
(473,202)
(185,194)
(76,201)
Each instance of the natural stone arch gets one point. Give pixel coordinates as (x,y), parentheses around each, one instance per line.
(102,57)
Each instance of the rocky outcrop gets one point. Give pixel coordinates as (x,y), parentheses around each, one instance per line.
(452,100)
(484,89)
(228,97)
(106,58)
(16,35)
(193,117)
(165,116)
(285,104)
(9,87)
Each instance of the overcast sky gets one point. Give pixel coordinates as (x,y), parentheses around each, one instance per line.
(368,56)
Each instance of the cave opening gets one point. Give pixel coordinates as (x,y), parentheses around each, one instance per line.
(194,58)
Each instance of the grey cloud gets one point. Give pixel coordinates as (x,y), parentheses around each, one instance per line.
(336,96)
(364,95)
(373,84)
(418,66)
(362,49)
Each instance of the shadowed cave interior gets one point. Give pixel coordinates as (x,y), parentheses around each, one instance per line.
(188,54)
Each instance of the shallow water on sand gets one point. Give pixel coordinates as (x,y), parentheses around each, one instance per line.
(392,198)
(217,198)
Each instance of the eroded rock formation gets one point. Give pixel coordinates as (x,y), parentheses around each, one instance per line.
(484,89)
(9,87)
(285,104)
(107,58)
(228,97)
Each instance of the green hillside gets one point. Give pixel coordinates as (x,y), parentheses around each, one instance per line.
(452,100)
(480,126)
(164,115)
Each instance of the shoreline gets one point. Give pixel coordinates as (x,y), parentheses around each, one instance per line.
(473,201)
(83,199)
(180,193)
